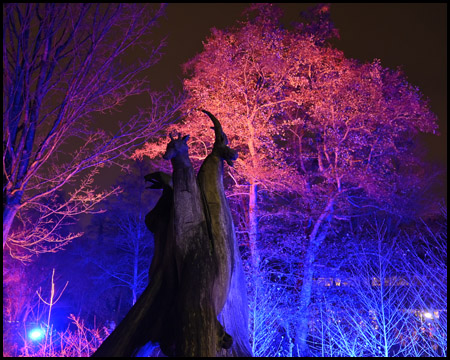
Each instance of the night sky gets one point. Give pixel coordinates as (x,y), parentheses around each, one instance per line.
(412,36)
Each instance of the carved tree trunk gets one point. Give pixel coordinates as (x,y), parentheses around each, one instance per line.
(197,333)
(220,225)
(230,291)
(196,268)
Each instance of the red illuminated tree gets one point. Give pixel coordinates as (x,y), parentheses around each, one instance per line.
(241,78)
(64,68)
(334,137)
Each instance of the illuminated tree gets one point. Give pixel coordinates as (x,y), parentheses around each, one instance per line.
(389,297)
(363,120)
(126,241)
(329,136)
(63,67)
(427,274)
(241,81)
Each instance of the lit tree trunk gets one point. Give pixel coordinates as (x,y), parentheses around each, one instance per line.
(253,229)
(9,212)
(253,224)
(316,238)
(135,272)
(230,292)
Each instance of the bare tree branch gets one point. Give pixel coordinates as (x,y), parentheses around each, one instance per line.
(64,67)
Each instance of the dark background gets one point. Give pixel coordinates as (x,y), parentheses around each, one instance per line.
(412,36)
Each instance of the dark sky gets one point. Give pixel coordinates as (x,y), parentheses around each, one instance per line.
(413,36)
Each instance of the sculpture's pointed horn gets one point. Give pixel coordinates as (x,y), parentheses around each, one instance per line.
(220,135)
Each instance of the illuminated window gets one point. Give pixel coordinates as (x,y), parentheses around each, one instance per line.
(427,315)
(325,281)
(376,281)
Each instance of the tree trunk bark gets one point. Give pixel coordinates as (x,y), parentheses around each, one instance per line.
(253,225)
(316,238)
(234,316)
(9,213)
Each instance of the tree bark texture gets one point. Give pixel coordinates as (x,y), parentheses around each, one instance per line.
(9,212)
(230,291)
(253,231)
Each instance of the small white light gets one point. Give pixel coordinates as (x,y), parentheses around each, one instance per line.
(428,315)
(36,334)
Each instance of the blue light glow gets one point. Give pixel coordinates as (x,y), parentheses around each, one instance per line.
(36,334)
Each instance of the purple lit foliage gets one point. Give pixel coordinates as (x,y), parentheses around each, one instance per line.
(64,65)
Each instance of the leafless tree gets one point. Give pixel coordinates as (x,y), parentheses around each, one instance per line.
(272,311)
(129,242)
(428,277)
(394,304)
(65,67)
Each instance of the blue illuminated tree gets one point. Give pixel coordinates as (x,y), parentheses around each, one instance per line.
(127,243)
(64,65)
(427,274)
(389,297)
